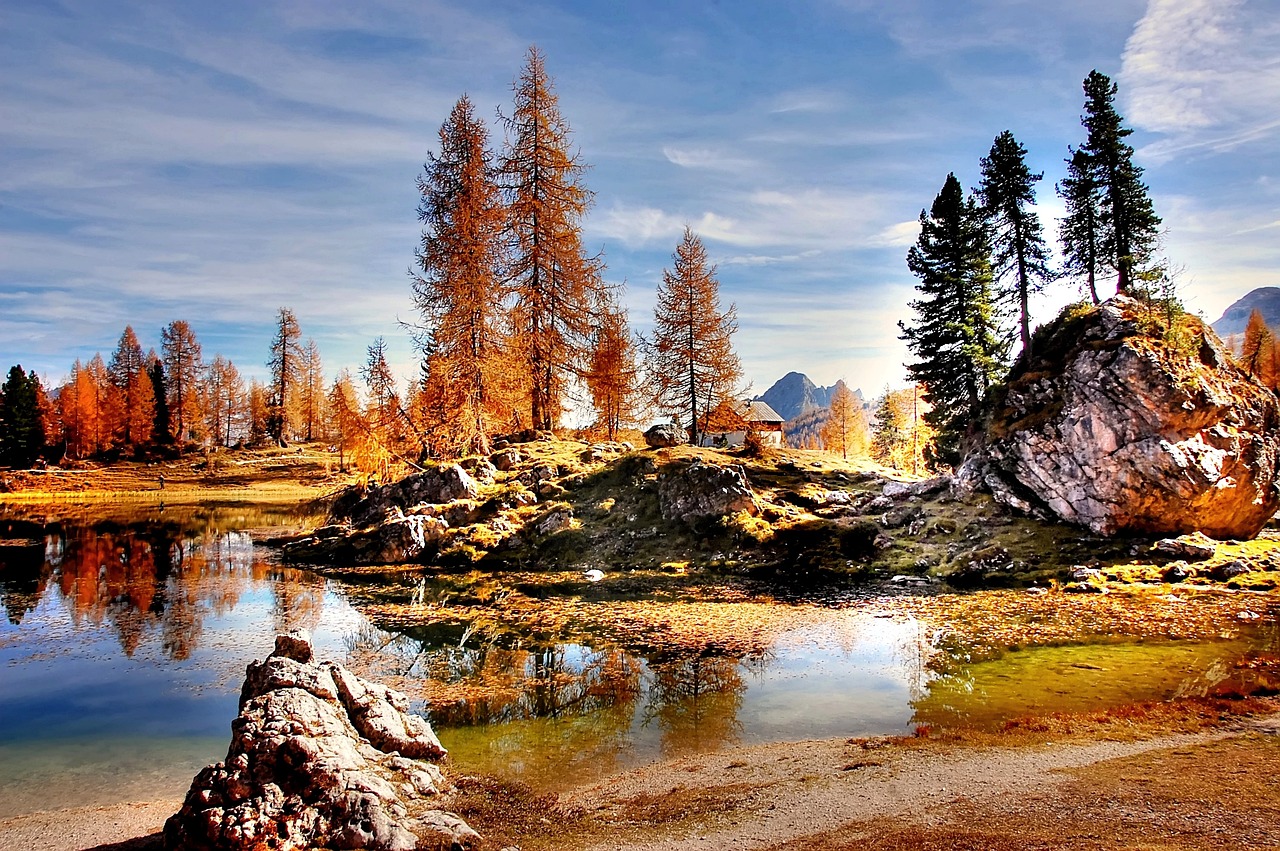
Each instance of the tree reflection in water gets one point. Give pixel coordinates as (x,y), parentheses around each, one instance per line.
(695,700)
(468,678)
(156,578)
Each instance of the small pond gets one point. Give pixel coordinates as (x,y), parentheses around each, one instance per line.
(123,646)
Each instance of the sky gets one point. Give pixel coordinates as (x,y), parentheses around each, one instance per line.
(214,162)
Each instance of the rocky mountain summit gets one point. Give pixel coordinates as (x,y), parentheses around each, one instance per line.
(794,394)
(1266,300)
(320,758)
(1123,424)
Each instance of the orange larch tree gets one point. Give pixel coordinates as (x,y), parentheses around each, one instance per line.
(182,368)
(312,401)
(612,376)
(691,361)
(845,430)
(285,364)
(1255,354)
(555,285)
(460,294)
(225,402)
(134,398)
(346,420)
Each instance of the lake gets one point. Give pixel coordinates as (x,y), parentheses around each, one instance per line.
(123,646)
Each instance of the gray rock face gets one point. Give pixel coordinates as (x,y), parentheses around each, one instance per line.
(398,540)
(398,523)
(662,435)
(320,758)
(435,486)
(702,491)
(1118,431)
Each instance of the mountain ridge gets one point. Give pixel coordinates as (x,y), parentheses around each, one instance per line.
(1233,320)
(794,394)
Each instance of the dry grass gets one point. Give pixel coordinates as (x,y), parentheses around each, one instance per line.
(296,474)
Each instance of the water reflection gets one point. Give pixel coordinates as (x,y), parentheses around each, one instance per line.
(123,646)
(695,701)
(157,579)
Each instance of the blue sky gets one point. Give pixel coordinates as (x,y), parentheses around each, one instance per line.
(215,161)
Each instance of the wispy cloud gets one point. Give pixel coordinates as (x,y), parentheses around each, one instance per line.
(1204,74)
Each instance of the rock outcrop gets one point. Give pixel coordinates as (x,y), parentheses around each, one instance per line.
(1122,431)
(701,491)
(361,507)
(320,758)
(398,523)
(663,435)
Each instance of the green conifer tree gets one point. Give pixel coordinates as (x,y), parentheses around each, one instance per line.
(21,430)
(1130,226)
(1019,256)
(958,346)
(1081,228)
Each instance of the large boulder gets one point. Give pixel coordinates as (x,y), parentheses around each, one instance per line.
(663,435)
(362,507)
(320,758)
(398,540)
(1119,429)
(702,491)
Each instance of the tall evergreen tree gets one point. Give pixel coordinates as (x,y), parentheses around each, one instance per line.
(1081,228)
(21,430)
(162,429)
(955,337)
(286,373)
(690,358)
(459,294)
(556,286)
(1130,226)
(1019,257)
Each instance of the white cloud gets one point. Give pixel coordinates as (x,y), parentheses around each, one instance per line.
(900,235)
(1204,74)
(706,158)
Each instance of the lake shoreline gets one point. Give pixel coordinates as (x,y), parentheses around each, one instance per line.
(857,793)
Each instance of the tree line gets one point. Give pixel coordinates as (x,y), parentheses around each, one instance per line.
(515,318)
(979,259)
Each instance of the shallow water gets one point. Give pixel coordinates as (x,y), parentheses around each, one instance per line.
(123,646)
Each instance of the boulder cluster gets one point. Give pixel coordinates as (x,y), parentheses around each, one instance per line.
(320,758)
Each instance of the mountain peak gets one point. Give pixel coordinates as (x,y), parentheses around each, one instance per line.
(794,394)
(1266,300)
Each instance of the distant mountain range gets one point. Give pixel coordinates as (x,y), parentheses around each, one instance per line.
(794,394)
(1265,299)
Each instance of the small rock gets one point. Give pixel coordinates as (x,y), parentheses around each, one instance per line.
(506,459)
(1230,570)
(1084,588)
(1177,572)
(295,645)
(1194,547)
(555,521)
